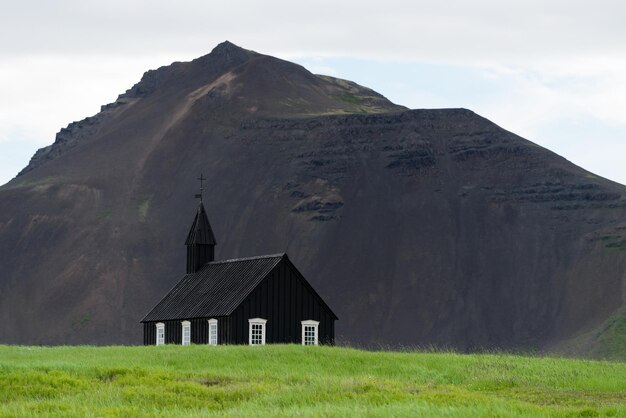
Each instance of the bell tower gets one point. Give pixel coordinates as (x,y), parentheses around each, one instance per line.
(200,240)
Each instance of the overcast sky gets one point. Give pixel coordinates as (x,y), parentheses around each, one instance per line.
(551,71)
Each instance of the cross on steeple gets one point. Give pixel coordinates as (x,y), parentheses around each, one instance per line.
(199,195)
(200,241)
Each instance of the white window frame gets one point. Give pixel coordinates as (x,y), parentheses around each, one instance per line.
(256,321)
(160,327)
(315,325)
(185,324)
(213,325)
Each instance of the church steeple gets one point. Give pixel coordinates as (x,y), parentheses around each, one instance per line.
(200,240)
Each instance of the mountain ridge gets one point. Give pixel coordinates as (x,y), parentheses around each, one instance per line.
(222,61)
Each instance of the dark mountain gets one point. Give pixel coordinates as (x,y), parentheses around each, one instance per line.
(418,227)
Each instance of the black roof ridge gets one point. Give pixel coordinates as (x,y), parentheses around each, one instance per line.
(256,257)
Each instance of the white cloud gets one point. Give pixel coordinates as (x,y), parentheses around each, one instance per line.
(453,31)
(531,99)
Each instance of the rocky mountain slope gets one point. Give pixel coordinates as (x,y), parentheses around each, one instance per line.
(418,227)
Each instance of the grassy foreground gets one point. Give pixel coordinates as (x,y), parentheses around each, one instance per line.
(302,381)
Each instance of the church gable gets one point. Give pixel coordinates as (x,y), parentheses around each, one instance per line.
(284,299)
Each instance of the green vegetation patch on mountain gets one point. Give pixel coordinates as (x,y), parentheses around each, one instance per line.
(607,341)
(621,245)
(302,381)
(612,339)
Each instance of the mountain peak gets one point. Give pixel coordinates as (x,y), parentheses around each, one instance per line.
(228,52)
(234,80)
(226,46)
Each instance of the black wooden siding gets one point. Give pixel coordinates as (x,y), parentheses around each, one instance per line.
(198,255)
(284,298)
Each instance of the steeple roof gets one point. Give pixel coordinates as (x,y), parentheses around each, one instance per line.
(201,232)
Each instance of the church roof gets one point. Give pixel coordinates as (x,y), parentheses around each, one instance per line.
(201,232)
(217,289)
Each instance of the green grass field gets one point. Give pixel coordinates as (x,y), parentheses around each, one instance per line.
(300,381)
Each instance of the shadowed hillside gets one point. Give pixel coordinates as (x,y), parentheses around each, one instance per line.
(418,227)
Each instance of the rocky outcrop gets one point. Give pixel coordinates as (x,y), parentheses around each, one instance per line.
(75,133)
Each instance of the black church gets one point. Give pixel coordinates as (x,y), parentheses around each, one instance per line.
(254,300)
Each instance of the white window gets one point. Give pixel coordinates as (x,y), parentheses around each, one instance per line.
(309,332)
(160,333)
(257,331)
(212,331)
(186,332)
